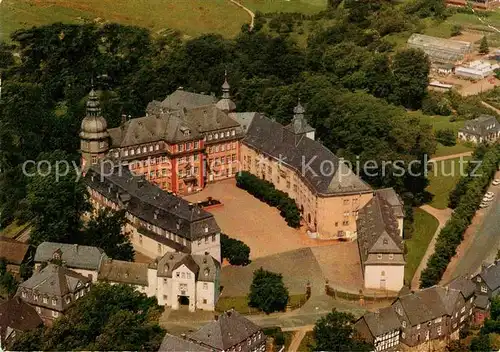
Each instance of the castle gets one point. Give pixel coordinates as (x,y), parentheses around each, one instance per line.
(190,139)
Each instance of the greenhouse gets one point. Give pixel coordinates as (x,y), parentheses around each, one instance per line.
(440,49)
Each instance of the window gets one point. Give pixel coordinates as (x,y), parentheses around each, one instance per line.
(391,256)
(181,147)
(188,275)
(157,147)
(125,153)
(204,301)
(484,289)
(227,133)
(233,132)
(138,151)
(35,297)
(382,273)
(177,274)
(38,310)
(94,160)
(438,320)
(403,335)
(462,310)
(68,299)
(346,201)
(159,248)
(23,294)
(45,300)
(404,324)
(205,286)
(439,330)
(379,256)
(144,149)
(418,327)
(223,148)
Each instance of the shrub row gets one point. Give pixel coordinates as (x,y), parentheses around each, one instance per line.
(235,251)
(452,233)
(265,191)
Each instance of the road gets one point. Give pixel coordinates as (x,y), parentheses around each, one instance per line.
(250,12)
(297,338)
(481,240)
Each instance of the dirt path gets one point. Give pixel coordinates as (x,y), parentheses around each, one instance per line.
(491,107)
(252,15)
(442,215)
(297,338)
(453,156)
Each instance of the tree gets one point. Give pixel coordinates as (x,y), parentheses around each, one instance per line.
(483,46)
(235,251)
(480,343)
(54,202)
(456,29)
(411,77)
(105,230)
(446,137)
(109,317)
(335,332)
(267,291)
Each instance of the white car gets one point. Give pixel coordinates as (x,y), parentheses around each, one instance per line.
(483,205)
(489,194)
(496,182)
(486,200)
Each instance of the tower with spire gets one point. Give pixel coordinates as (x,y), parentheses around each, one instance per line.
(94,136)
(299,125)
(226,104)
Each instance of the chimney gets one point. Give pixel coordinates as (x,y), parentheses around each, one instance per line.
(191,206)
(76,247)
(124,119)
(180,88)
(183,336)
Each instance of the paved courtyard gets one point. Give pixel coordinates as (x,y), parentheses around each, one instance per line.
(257,224)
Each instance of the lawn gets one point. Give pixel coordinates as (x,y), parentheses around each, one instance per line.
(442,179)
(191,17)
(306,341)
(425,227)
(304,6)
(442,150)
(12,229)
(240,304)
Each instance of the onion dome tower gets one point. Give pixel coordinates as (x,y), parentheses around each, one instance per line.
(226,104)
(94,136)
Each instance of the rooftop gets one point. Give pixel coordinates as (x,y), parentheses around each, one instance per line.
(17,315)
(73,255)
(124,272)
(13,251)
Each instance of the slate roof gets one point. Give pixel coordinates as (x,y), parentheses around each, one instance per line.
(464,285)
(297,151)
(144,200)
(377,228)
(228,330)
(428,304)
(184,99)
(124,272)
(383,321)
(73,255)
(16,315)
(481,126)
(209,118)
(394,200)
(205,267)
(482,302)
(13,251)
(243,118)
(173,343)
(491,276)
(168,126)
(54,280)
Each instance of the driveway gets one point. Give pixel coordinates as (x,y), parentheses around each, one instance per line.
(481,240)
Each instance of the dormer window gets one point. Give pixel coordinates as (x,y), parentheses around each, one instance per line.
(386,241)
(206,228)
(379,256)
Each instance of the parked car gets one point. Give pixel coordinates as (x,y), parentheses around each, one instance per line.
(483,205)
(490,194)
(487,199)
(496,182)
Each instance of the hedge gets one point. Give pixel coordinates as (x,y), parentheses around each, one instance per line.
(265,191)
(452,233)
(235,251)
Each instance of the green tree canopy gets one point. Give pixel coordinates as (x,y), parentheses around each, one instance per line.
(335,332)
(109,317)
(267,292)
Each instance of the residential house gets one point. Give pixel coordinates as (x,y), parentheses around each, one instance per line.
(85,260)
(14,253)
(380,242)
(466,286)
(484,129)
(380,328)
(52,290)
(16,317)
(176,279)
(229,332)
(431,317)
(487,281)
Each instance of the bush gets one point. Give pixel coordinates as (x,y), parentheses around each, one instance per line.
(456,29)
(235,251)
(468,200)
(446,137)
(265,191)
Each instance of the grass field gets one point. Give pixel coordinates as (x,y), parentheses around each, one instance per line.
(12,229)
(425,227)
(443,178)
(442,150)
(240,304)
(304,6)
(191,17)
